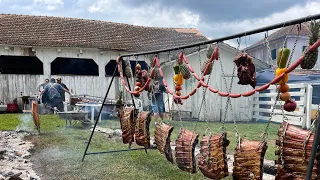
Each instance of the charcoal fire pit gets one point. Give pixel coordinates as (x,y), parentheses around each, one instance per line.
(77,117)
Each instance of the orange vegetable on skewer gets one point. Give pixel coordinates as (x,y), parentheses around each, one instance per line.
(286,76)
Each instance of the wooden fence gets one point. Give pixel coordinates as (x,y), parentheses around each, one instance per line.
(263,103)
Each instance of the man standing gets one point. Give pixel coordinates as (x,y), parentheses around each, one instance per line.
(156,95)
(53,90)
(62,93)
(45,96)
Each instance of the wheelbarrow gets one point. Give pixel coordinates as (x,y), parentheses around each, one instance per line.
(75,117)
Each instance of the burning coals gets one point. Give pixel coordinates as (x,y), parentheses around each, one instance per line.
(15,157)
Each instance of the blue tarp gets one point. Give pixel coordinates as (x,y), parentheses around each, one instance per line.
(267,75)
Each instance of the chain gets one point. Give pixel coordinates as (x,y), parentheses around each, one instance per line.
(265,133)
(132,75)
(294,46)
(289,62)
(179,114)
(203,101)
(170,109)
(229,99)
(155,100)
(225,82)
(204,90)
(281,145)
(269,52)
(205,107)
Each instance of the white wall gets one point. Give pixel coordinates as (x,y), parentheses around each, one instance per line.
(215,103)
(261,52)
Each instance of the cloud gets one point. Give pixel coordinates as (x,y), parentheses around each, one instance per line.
(158,13)
(220,29)
(50,5)
(153,14)
(36,6)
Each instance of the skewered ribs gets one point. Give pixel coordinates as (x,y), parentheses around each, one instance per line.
(162,140)
(248,160)
(212,161)
(35,115)
(142,132)
(128,123)
(293,154)
(185,147)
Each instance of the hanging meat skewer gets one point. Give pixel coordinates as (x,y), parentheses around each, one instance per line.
(294,151)
(246,70)
(212,161)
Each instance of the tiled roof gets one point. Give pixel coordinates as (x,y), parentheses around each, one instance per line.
(71,32)
(291,30)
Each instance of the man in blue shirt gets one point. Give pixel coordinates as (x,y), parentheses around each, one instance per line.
(53,90)
(62,93)
(156,95)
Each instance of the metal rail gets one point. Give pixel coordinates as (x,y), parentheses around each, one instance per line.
(246,33)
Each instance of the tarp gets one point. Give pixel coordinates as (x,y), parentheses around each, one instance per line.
(267,75)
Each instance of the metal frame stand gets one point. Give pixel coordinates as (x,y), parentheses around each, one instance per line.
(96,122)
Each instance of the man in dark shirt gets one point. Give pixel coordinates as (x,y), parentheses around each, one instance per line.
(53,90)
(62,93)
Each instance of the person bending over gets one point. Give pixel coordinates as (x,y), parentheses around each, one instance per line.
(53,90)
(44,96)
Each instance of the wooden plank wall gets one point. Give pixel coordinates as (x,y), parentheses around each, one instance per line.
(12,85)
(214,103)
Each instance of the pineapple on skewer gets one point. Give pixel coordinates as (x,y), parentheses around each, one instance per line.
(204,65)
(310,59)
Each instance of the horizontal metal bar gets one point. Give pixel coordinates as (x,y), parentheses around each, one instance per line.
(255,31)
(115,151)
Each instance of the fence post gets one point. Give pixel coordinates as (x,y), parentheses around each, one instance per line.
(308,107)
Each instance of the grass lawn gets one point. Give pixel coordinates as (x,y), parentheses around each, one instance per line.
(58,150)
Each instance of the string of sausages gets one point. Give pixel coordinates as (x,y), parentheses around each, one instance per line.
(201,82)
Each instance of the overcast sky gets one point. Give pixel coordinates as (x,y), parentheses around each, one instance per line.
(214,18)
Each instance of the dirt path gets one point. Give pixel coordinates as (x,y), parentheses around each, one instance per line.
(15,157)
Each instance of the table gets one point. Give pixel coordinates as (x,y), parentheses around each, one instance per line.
(92,109)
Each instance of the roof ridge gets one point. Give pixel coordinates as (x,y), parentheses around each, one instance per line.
(93,20)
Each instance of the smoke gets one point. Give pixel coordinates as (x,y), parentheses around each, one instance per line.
(26,123)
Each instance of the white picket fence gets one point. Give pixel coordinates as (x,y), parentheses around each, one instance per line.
(264,101)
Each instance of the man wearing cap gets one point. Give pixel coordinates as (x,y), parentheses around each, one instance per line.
(62,93)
